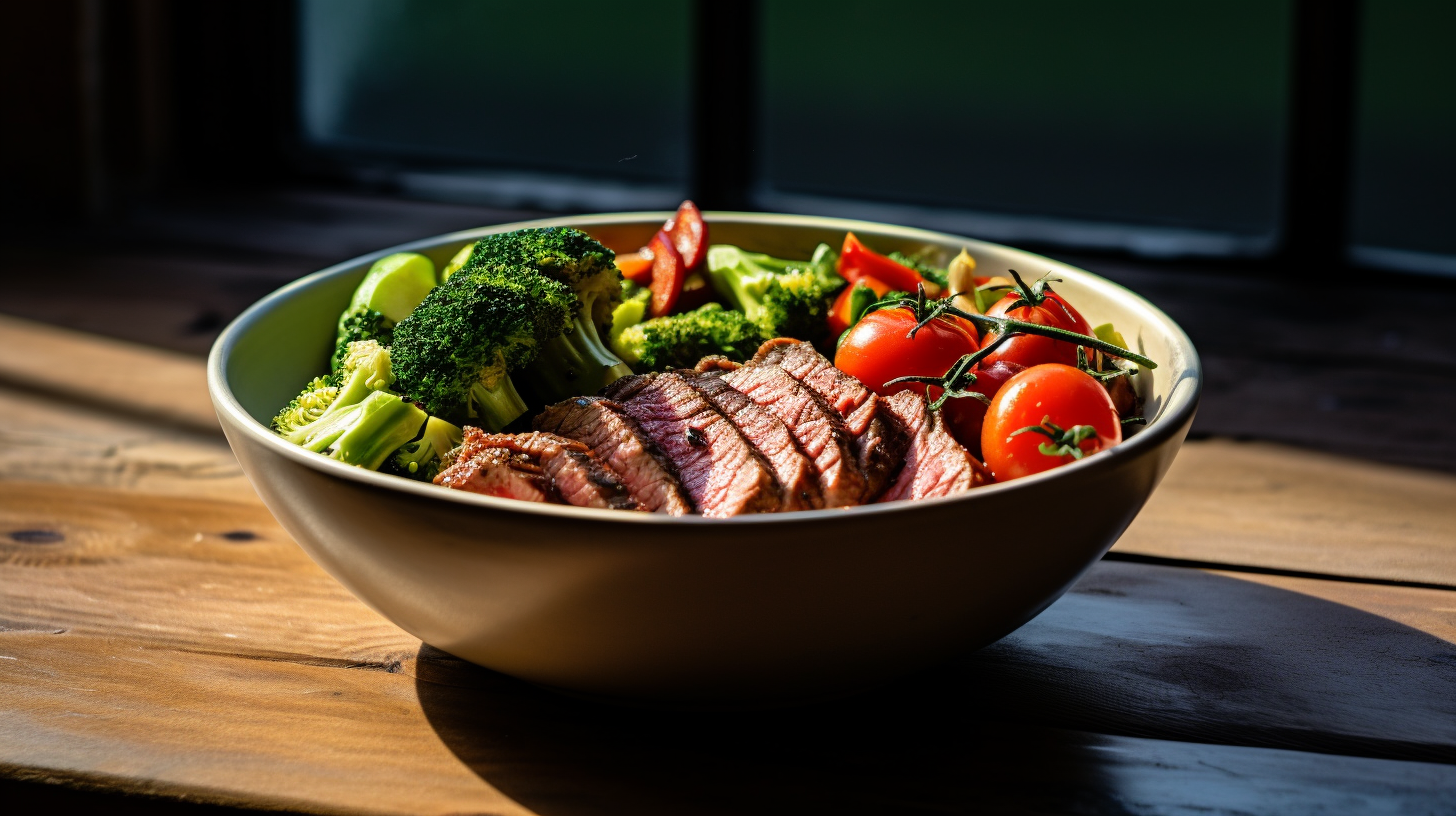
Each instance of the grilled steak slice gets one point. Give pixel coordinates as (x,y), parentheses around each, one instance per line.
(578,477)
(935,464)
(619,443)
(720,469)
(880,439)
(794,471)
(817,428)
(498,472)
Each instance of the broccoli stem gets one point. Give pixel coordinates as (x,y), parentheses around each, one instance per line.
(422,458)
(381,424)
(497,407)
(577,362)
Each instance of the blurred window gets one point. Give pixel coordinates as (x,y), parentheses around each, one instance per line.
(1152,126)
(1404,213)
(571,88)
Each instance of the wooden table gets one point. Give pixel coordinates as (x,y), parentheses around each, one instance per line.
(1275,634)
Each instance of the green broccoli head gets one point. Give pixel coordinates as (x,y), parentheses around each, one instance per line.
(308,406)
(785,298)
(423,458)
(360,323)
(681,340)
(315,418)
(577,360)
(454,353)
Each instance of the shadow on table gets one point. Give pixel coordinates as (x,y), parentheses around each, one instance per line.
(1133,650)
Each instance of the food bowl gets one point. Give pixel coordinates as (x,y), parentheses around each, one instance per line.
(760,609)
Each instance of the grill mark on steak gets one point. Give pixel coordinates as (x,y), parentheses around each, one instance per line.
(721,470)
(793,469)
(818,430)
(574,474)
(498,472)
(880,439)
(621,445)
(935,464)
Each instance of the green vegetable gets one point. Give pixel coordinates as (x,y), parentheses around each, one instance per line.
(681,340)
(927,270)
(455,352)
(629,313)
(456,262)
(374,429)
(422,458)
(393,287)
(328,407)
(575,361)
(784,298)
(1107,334)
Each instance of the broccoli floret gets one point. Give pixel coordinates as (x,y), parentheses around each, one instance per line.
(785,298)
(455,352)
(316,418)
(576,361)
(422,458)
(394,286)
(681,340)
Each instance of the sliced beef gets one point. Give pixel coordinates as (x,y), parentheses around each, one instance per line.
(577,476)
(935,464)
(498,472)
(719,468)
(879,439)
(619,443)
(795,471)
(816,427)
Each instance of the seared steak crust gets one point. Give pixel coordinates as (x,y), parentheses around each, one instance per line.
(578,477)
(880,440)
(620,444)
(721,470)
(816,427)
(498,472)
(936,464)
(768,433)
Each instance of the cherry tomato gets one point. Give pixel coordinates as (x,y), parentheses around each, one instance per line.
(636,266)
(968,412)
(877,350)
(1054,397)
(689,234)
(839,312)
(859,261)
(668,271)
(1030,349)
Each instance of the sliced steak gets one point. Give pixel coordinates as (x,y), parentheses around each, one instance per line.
(795,471)
(620,444)
(576,474)
(720,469)
(498,472)
(935,464)
(816,427)
(880,439)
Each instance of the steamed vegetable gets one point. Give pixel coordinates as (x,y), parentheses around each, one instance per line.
(422,458)
(784,298)
(681,340)
(394,286)
(349,414)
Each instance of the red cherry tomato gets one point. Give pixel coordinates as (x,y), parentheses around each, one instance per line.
(877,350)
(689,234)
(969,413)
(858,261)
(1030,349)
(668,271)
(839,312)
(1052,396)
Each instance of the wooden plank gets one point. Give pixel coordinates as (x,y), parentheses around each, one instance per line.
(144,381)
(1145,650)
(217,729)
(1266,505)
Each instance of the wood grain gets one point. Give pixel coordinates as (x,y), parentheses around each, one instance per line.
(144,381)
(264,734)
(1265,505)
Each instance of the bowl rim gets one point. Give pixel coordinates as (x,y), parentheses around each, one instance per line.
(1176,413)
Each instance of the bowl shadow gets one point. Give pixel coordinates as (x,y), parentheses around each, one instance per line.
(1133,650)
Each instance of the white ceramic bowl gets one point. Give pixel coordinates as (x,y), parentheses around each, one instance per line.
(755,609)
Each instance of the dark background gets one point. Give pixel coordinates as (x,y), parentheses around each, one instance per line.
(1274,174)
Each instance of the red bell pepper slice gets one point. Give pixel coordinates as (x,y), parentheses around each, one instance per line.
(839,312)
(857,261)
(689,234)
(668,271)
